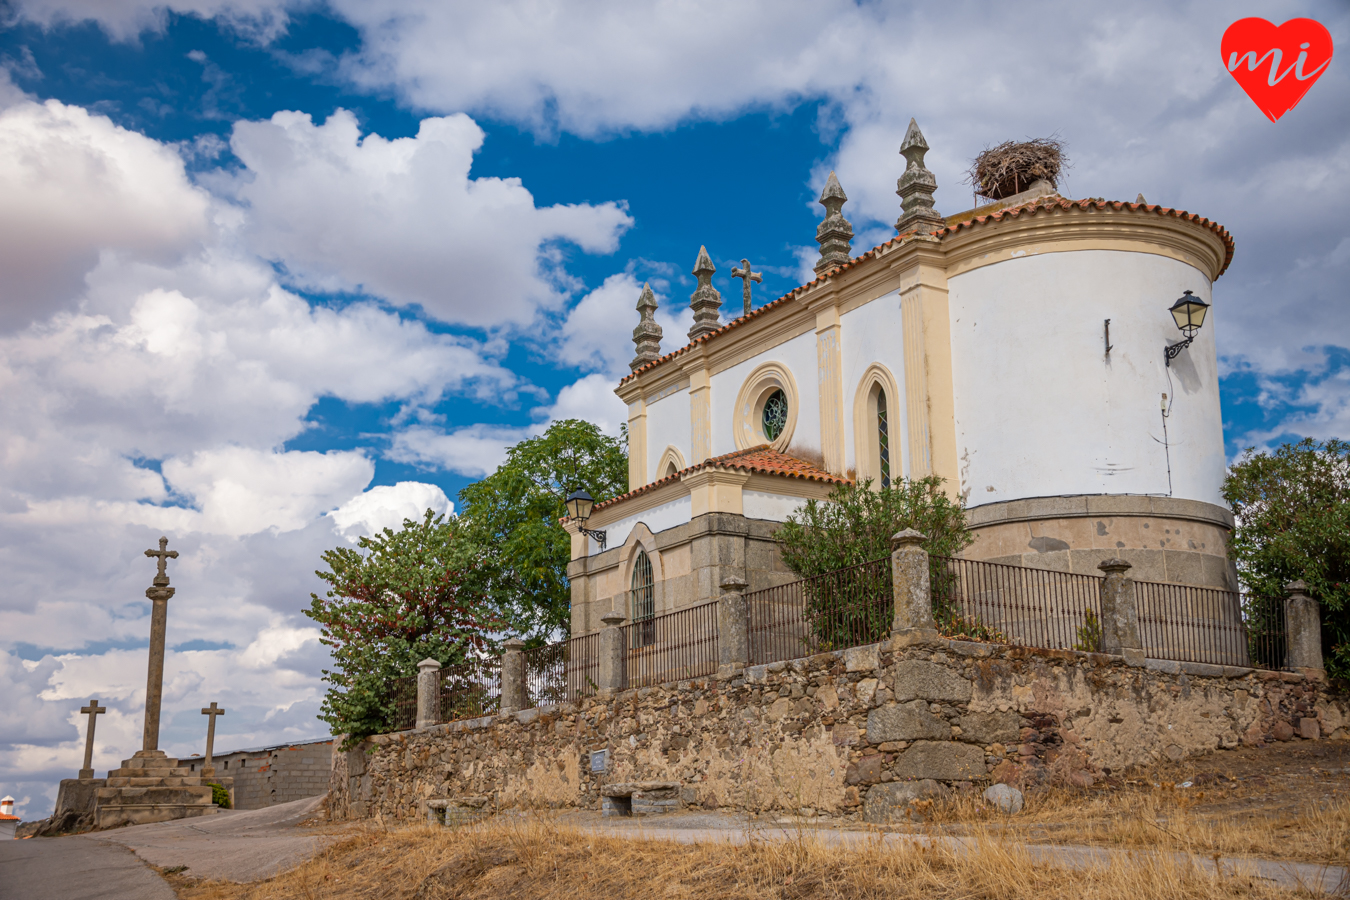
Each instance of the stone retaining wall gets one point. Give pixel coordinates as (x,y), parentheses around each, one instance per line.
(818,734)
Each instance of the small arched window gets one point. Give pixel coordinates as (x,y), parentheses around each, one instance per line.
(670,469)
(775,415)
(883,440)
(644,599)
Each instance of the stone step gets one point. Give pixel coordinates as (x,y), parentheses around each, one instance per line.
(164,796)
(150,762)
(153,781)
(145,813)
(136,772)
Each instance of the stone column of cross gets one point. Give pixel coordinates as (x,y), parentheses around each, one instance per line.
(747,276)
(159,595)
(92,711)
(212,711)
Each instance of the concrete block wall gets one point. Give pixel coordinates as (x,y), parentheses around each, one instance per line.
(266,776)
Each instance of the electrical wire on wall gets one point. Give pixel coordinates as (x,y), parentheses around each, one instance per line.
(1167,400)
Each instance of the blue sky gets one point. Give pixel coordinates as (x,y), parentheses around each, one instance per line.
(281,271)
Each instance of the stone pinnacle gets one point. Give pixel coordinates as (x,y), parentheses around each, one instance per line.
(834,234)
(916,186)
(706,302)
(647,334)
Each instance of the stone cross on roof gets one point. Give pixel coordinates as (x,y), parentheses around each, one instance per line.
(747,276)
(706,302)
(835,234)
(647,334)
(916,186)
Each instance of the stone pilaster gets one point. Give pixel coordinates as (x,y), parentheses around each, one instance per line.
(647,334)
(733,628)
(831,386)
(515,693)
(911,586)
(1120,610)
(428,693)
(700,416)
(1303,626)
(834,234)
(916,186)
(611,674)
(706,302)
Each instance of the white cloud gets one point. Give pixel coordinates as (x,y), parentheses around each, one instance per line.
(474,450)
(598,332)
(75,185)
(591,399)
(124,20)
(403,220)
(387,506)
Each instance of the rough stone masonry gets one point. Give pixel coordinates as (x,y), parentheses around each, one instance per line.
(850,733)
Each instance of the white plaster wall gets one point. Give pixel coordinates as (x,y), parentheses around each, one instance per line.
(773,507)
(873,333)
(667,425)
(799,356)
(1042,411)
(657,519)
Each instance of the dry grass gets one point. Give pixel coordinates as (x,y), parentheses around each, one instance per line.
(536,858)
(1165,818)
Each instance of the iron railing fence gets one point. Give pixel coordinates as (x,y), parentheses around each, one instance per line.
(671,647)
(1015,604)
(471,689)
(845,608)
(403,697)
(1267,638)
(1191,624)
(562,672)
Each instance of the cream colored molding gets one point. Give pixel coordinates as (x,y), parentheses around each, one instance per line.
(831,389)
(672,461)
(700,415)
(637,444)
(866,445)
(783,486)
(1059,230)
(657,496)
(716,490)
(748,413)
(930,402)
(579,540)
(681,384)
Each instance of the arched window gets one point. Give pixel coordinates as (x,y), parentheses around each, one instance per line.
(670,469)
(644,599)
(883,440)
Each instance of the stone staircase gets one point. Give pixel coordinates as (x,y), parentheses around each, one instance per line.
(151,787)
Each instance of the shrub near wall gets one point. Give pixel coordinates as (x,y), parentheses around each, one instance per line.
(834,732)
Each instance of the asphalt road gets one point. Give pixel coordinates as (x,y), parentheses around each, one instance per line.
(76,868)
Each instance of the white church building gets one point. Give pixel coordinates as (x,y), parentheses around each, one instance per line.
(1025,351)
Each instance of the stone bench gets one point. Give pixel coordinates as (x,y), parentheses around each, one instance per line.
(455,811)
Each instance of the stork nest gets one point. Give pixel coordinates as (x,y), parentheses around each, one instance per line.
(1014,166)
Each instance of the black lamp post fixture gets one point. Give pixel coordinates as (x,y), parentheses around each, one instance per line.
(579,505)
(1189,313)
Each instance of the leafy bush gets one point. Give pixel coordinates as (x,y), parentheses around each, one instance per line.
(220,795)
(1293,522)
(853,604)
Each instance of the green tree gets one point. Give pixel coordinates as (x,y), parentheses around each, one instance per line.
(513,517)
(847,603)
(1293,521)
(396,599)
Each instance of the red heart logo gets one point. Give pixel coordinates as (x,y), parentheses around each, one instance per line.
(1276,66)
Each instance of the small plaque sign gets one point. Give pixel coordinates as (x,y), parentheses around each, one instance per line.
(600,761)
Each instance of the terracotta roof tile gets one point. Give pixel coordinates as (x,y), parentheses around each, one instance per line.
(759,460)
(1028,208)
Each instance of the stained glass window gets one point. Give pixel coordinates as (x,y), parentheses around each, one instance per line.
(775,415)
(644,598)
(883,435)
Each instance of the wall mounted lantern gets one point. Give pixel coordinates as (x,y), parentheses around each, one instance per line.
(579,504)
(1189,313)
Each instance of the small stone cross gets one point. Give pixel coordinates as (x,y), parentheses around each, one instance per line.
(747,276)
(212,711)
(162,577)
(92,711)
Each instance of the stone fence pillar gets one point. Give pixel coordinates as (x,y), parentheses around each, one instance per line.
(611,653)
(911,586)
(1303,627)
(733,628)
(428,694)
(1120,610)
(515,695)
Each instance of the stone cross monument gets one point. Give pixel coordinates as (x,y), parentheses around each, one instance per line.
(159,594)
(92,711)
(212,711)
(747,276)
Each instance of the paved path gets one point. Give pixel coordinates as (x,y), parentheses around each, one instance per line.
(698,828)
(236,845)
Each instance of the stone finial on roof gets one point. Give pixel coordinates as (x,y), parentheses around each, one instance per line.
(916,186)
(706,302)
(647,334)
(835,233)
